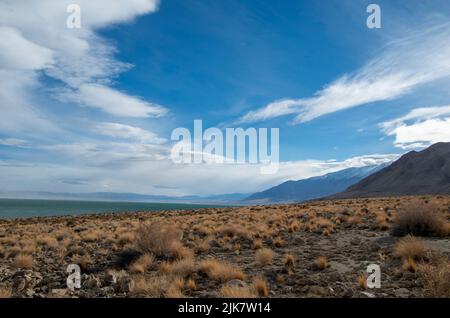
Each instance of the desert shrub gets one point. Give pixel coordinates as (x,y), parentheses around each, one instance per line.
(260,287)
(409,265)
(288,260)
(221,271)
(142,263)
(410,247)
(158,286)
(278,242)
(23,261)
(362,281)
(436,277)
(419,219)
(5,292)
(264,256)
(321,263)
(236,292)
(257,244)
(174,290)
(190,284)
(183,267)
(159,239)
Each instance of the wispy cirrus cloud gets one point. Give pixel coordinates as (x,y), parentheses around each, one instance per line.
(112,101)
(420,128)
(402,66)
(122,131)
(35,41)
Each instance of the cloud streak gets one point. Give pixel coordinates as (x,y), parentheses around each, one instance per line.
(403,65)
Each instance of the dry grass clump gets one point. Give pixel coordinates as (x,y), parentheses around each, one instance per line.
(294,226)
(419,219)
(190,284)
(264,256)
(47,240)
(125,238)
(321,263)
(436,277)
(257,244)
(362,281)
(179,251)
(409,265)
(220,271)
(260,287)
(23,261)
(142,263)
(288,260)
(175,288)
(160,239)
(5,292)
(158,286)
(236,292)
(278,242)
(382,220)
(182,268)
(410,247)
(232,230)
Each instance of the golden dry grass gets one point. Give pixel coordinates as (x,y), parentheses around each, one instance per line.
(142,263)
(410,265)
(410,247)
(236,292)
(288,260)
(419,219)
(362,281)
(320,263)
(23,261)
(190,284)
(220,271)
(5,292)
(159,239)
(260,287)
(264,257)
(436,277)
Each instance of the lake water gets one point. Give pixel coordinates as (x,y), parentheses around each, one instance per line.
(21,208)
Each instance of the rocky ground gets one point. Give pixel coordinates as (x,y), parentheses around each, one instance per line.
(314,249)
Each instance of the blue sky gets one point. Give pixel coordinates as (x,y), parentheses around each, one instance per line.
(92,109)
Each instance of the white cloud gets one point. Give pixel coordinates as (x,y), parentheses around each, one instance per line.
(34,39)
(420,128)
(117,130)
(401,67)
(15,142)
(16,52)
(146,169)
(114,102)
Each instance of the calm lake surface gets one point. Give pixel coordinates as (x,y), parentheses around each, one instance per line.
(21,208)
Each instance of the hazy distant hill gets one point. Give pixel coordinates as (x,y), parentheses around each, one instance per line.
(315,187)
(233,198)
(424,172)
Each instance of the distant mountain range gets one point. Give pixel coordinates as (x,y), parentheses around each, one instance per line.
(315,187)
(415,173)
(233,198)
